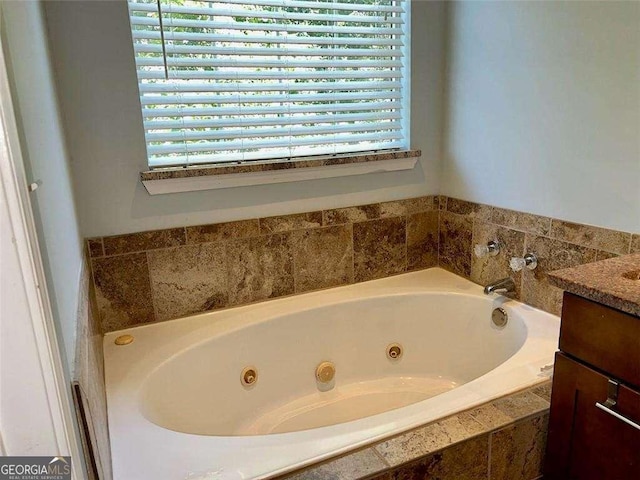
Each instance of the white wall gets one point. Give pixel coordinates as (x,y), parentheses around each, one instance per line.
(93,55)
(45,157)
(544,109)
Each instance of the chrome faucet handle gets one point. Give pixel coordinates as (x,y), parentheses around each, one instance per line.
(529,261)
(492,249)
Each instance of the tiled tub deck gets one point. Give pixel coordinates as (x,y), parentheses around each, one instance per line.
(500,440)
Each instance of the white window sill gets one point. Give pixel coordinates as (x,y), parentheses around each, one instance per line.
(159,182)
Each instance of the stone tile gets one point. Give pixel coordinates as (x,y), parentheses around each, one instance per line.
(349,467)
(123,291)
(259,268)
(95,247)
(223,231)
(517,452)
(552,255)
(188,279)
(406,207)
(489,269)
(464,461)
(361,213)
(526,222)
(455,243)
(285,223)
(543,391)
(379,248)
(424,440)
(521,405)
(602,255)
(589,236)
(323,257)
(440,202)
(422,240)
(635,243)
(477,211)
(136,242)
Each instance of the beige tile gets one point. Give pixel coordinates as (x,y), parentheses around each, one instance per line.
(635,243)
(136,242)
(189,279)
(477,211)
(521,405)
(526,222)
(95,247)
(543,391)
(406,207)
(361,213)
(259,268)
(440,202)
(323,257)
(422,240)
(517,452)
(467,460)
(602,255)
(422,441)
(552,255)
(489,269)
(455,242)
(593,237)
(349,467)
(379,248)
(223,231)
(123,291)
(285,223)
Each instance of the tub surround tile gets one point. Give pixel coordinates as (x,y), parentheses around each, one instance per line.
(602,255)
(590,236)
(285,223)
(489,269)
(525,222)
(440,202)
(467,460)
(422,240)
(223,231)
(259,268)
(517,452)
(349,467)
(379,248)
(323,257)
(425,440)
(361,213)
(477,211)
(544,391)
(552,255)
(188,279)
(455,243)
(406,207)
(95,247)
(614,282)
(137,242)
(123,291)
(635,243)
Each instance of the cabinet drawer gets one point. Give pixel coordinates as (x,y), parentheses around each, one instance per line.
(603,337)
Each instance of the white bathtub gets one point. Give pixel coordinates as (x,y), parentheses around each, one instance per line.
(177,408)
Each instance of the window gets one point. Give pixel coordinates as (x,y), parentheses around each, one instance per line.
(245,80)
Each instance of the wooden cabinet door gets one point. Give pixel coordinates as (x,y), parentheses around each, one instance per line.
(584,442)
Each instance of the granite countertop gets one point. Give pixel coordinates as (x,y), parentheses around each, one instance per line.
(614,282)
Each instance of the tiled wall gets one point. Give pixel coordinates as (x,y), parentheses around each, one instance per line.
(154,276)
(556,243)
(89,373)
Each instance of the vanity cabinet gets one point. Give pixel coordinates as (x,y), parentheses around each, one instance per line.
(594,424)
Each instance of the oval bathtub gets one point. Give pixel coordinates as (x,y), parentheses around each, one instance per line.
(178,409)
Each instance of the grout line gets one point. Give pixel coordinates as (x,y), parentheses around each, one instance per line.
(151,289)
(379,455)
(489,454)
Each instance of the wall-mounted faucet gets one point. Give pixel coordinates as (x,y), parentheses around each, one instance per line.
(492,249)
(529,261)
(505,285)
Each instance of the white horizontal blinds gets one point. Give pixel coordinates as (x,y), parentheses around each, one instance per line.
(240,80)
